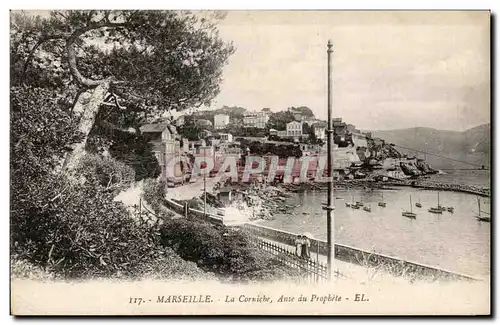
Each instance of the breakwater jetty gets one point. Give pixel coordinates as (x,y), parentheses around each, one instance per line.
(369,184)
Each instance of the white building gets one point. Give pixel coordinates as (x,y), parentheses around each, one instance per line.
(256,120)
(319,130)
(226,137)
(221,121)
(294,129)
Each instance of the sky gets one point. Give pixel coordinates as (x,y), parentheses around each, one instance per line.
(391,70)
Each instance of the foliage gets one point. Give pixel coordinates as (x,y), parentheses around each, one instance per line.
(291,150)
(279,120)
(163,59)
(227,253)
(105,172)
(153,191)
(41,130)
(304,110)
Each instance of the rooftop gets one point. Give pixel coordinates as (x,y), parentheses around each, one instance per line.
(158,127)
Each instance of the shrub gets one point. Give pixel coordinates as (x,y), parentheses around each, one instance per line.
(153,191)
(228,254)
(110,174)
(78,231)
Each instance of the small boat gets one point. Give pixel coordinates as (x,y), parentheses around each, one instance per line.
(354,206)
(409,214)
(382,203)
(367,208)
(439,209)
(347,204)
(450,209)
(359,203)
(435,210)
(418,204)
(482,215)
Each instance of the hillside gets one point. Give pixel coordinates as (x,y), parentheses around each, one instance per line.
(472,146)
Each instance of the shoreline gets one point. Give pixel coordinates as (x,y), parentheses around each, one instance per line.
(421,184)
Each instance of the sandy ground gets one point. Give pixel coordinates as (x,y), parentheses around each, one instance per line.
(190,190)
(131,196)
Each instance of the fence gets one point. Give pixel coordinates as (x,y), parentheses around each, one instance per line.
(391,265)
(190,213)
(309,269)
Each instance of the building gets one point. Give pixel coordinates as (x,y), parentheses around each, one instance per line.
(281,134)
(204,134)
(165,145)
(221,121)
(256,120)
(226,137)
(294,129)
(319,129)
(273,132)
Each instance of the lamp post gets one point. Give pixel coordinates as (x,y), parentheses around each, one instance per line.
(330,222)
(205,182)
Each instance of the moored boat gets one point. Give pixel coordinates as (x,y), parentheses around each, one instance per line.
(409,214)
(367,208)
(482,215)
(435,210)
(439,209)
(382,203)
(418,204)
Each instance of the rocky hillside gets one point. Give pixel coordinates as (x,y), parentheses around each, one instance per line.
(472,146)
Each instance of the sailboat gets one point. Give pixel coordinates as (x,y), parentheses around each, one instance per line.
(439,209)
(347,204)
(359,203)
(485,217)
(382,203)
(409,214)
(442,208)
(418,204)
(367,208)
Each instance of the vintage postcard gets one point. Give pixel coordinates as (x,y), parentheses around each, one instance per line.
(250,162)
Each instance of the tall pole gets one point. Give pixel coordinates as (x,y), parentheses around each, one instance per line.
(205,183)
(330,223)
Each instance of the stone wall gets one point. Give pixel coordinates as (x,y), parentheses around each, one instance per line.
(354,255)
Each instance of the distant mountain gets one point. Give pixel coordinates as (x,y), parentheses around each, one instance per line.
(471,146)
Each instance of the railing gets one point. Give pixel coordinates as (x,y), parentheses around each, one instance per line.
(312,271)
(391,265)
(181,209)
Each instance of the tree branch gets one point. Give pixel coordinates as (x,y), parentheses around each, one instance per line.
(35,47)
(71,53)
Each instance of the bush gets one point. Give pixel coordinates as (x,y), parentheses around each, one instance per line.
(153,192)
(78,231)
(228,254)
(110,174)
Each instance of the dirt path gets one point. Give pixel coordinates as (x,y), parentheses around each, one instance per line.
(190,190)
